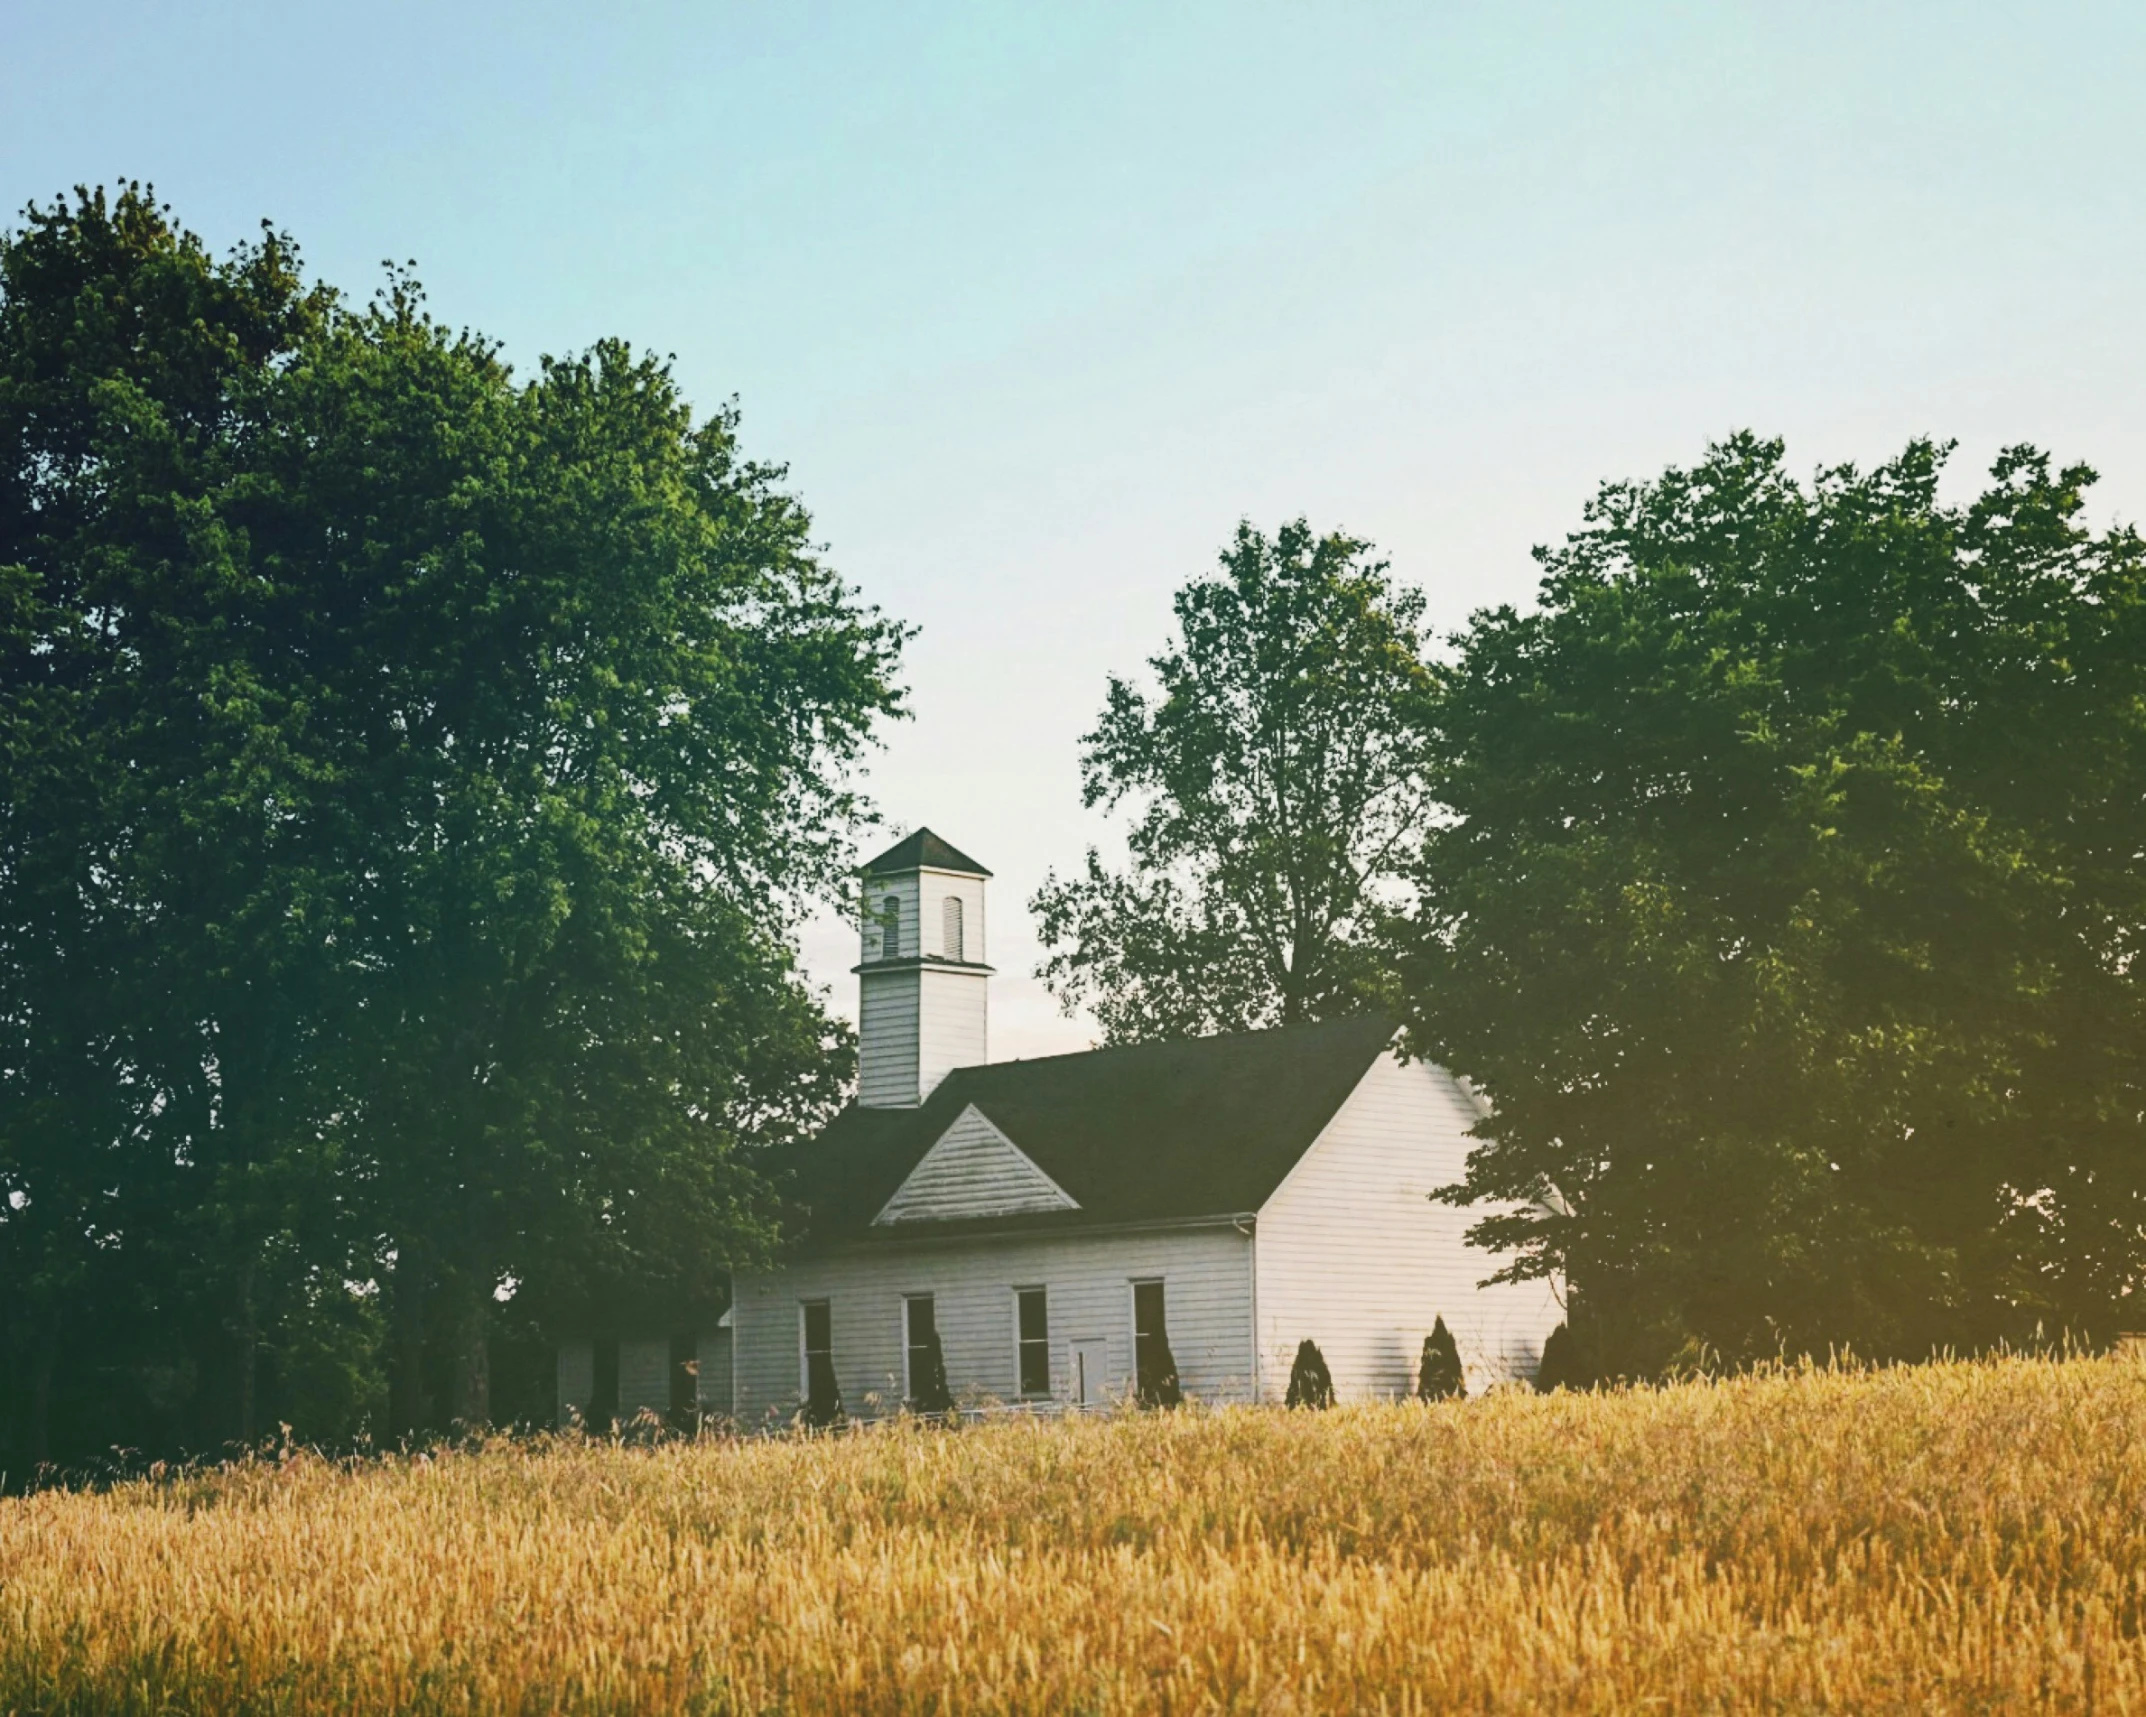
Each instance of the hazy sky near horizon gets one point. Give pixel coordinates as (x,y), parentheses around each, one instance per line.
(1037,303)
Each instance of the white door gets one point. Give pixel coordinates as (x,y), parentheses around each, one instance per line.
(1090,1372)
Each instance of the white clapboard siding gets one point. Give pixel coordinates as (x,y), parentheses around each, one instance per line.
(951,1025)
(1355,1256)
(921,897)
(915,1026)
(577,1380)
(712,1350)
(887,1058)
(904,890)
(934,889)
(973,1170)
(1206,1274)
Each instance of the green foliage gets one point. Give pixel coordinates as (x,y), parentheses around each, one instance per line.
(1280,782)
(161,950)
(1788,906)
(414,775)
(1310,1383)
(325,1358)
(1439,1376)
(1559,1367)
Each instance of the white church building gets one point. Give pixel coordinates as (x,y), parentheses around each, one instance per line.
(1059,1227)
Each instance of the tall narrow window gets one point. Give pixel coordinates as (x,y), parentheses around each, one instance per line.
(924,1380)
(1154,1367)
(816,1380)
(890,928)
(950,927)
(1032,1340)
(920,1337)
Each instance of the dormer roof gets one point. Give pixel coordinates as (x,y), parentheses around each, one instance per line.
(923,851)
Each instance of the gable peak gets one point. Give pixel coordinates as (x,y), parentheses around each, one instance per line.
(973,1169)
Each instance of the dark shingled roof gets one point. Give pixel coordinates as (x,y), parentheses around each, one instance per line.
(1152,1132)
(924,848)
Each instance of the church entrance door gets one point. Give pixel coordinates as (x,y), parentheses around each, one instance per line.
(1090,1370)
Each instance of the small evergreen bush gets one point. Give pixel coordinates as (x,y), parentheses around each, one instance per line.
(933,1398)
(1439,1376)
(823,1401)
(1559,1367)
(1310,1383)
(1159,1386)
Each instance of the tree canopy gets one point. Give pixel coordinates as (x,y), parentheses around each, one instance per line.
(413,773)
(1279,775)
(1786,900)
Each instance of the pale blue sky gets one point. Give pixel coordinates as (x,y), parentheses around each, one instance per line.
(1037,305)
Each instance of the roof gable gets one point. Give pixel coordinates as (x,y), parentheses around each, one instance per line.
(1155,1132)
(972,1170)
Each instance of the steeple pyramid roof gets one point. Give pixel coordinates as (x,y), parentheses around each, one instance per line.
(923,850)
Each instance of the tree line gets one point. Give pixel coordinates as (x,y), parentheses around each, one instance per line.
(411,773)
(1777,875)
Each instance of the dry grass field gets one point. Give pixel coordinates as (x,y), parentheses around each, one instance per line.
(1963,1537)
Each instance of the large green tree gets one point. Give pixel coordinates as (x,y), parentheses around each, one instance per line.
(1787,904)
(413,775)
(1279,783)
(153,947)
(591,696)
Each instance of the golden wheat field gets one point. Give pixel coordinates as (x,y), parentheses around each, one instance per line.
(1966,1537)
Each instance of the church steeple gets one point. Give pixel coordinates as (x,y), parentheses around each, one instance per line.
(923,1006)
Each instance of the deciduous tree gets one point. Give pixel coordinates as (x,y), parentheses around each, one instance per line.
(1788,904)
(414,773)
(1279,781)
(159,964)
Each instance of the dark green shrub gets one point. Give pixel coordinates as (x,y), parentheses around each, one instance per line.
(933,1398)
(1439,1376)
(1154,1365)
(1310,1383)
(1158,1382)
(823,1401)
(1560,1364)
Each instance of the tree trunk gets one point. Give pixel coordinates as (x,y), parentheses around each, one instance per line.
(44,1355)
(249,1356)
(470,1357)
(409,1405)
